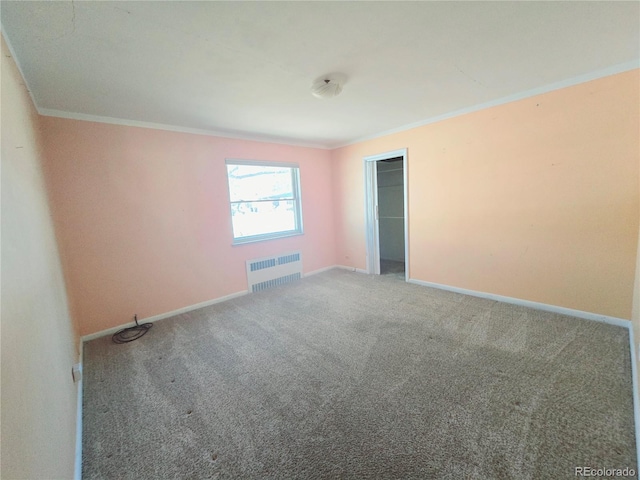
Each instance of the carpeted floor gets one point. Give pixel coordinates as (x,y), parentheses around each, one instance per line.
(343,375)
(392,267)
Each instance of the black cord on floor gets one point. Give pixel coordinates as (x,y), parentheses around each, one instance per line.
(130,334)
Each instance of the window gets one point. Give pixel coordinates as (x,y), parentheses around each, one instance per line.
(265,200)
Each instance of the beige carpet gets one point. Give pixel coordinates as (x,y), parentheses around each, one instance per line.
(343,375)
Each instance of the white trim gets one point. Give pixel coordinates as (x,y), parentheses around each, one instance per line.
(78,458)
(263,238)
(405,185)
(636,399)
(619,322)
(515,301)
(372,232)
(351,269)
(320,270)
(162,316)
(386,155)
(336,267)
(261,163)
(613,70)
(297,200)
(173,313)
(48,112)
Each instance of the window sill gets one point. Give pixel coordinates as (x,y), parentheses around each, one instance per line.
(264,238)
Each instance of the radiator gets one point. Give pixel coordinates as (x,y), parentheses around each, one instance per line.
(272,271)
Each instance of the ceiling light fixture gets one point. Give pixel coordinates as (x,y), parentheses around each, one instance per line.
(328,86)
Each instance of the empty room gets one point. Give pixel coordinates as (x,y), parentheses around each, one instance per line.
(394,240)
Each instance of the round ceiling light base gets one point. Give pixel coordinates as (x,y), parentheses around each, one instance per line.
(328,86)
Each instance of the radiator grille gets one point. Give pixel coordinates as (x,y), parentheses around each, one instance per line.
(273,271)
(294,257)
(275,282)
(260,264)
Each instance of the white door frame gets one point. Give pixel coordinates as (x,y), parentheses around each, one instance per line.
(371,210)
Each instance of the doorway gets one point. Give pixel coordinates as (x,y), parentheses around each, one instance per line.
(386,214)
(391,216)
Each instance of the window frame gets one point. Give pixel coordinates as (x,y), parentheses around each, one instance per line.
(297,200)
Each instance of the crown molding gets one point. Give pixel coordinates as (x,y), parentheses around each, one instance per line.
(47,112)
(613,70)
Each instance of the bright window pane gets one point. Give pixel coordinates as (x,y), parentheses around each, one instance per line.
(253,182)
(265,200)
(259,218)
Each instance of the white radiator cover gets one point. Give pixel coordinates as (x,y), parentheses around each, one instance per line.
(272,271)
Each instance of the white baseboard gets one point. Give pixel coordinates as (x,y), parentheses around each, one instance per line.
(511,300)
(173,313)
(620,322)
(351,269)
(320,270)
(162,316)
(78,458)
(333,267)
(636,399)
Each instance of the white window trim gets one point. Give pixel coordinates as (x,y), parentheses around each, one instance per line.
(299,230)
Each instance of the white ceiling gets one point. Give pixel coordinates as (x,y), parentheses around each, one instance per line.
(244,69)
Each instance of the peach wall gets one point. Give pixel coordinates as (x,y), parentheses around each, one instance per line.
(535,199)
(144,223)
(39,398)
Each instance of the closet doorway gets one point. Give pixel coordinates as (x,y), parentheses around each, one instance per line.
(386,213)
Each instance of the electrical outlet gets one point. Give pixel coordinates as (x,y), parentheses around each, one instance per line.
(76,373)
